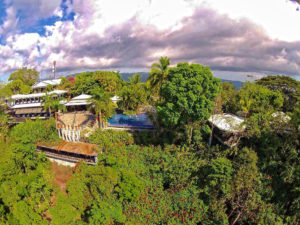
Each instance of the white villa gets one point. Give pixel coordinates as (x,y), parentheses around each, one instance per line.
(41,86)
(31,105)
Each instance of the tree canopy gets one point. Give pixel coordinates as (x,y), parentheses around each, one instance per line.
(288,87)
(143,177)
(51,103)
(103,106)
(228,95)
(253,98)
(158,74)
(27,76)
(189,94)
(88,82)
(133,95)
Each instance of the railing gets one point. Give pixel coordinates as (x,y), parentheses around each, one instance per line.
(61,155)
(69,133)
(130,127)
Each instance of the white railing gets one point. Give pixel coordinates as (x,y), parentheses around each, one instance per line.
(69,133)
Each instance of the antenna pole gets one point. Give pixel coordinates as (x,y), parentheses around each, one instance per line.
(54,68)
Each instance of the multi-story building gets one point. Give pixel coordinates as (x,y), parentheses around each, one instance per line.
(31,105)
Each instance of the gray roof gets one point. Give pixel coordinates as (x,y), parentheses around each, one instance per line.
(227,122)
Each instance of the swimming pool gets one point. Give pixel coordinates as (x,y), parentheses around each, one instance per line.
(138,120)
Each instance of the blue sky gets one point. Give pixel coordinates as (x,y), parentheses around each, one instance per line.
(235,38)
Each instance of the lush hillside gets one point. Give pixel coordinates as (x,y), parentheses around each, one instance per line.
(178,173)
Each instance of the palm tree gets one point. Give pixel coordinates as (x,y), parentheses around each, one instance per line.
(103,107)
(158,74)
(52,104)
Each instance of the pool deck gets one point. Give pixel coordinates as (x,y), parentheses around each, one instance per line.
(129,128)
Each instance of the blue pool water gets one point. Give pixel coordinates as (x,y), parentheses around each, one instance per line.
(138,120)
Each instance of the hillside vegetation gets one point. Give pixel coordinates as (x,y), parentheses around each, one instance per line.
(170,176)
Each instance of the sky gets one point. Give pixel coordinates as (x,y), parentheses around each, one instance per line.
(234,38)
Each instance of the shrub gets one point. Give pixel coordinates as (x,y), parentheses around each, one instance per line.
(105,138)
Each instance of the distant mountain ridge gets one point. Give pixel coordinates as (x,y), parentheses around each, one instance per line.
(237,84)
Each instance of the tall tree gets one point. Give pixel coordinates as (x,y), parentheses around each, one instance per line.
(103,106)
(189,95)
(52,104)
(254,98)
(158,74)
(228,94)
(88,82)
(27,76)
(66,84)
(288,86)
(16,87)
(133,95)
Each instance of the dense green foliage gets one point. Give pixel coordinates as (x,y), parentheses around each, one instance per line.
(21,82)
(25,184)
(171,175)
(104,138)
(189,94)
(102,106)
(158,75)
(90,82)
(288,87)
(27,76)
(133,95)
(51,103)
(174,185)
(228,94)
(253,98)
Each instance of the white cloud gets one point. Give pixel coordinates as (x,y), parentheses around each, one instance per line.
(58,12)
(134,33)
(23,42)
(278,17)
(10,22)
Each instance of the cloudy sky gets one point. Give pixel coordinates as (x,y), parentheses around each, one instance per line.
(235,38)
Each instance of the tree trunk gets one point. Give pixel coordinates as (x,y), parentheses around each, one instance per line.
(236,219)
(100,120)
(210,138)
(49,112)
(211,135)
(190,133)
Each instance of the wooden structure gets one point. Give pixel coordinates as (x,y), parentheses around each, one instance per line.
(71,152)
(227,128)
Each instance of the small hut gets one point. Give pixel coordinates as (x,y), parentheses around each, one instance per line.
(228,128)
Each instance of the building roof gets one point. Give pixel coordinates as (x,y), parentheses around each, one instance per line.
(281,116)
(227,122)
(77,148)
(115,99)
(36,95)
(45,83)
(72,103)
(30,105)
(82,99)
